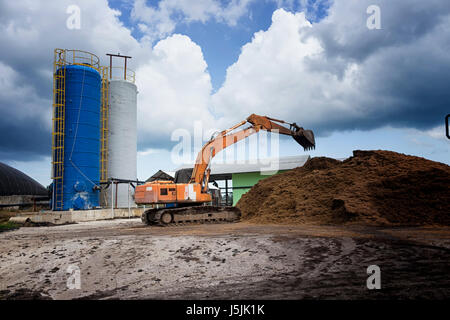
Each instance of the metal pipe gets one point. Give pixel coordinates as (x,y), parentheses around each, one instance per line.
(122,181)
(112,200)
(226,192)
(129,210)
(125,70)
(117,191)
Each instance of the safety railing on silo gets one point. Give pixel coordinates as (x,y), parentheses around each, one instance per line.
(83,58)
(119,73)
(58,122)
(104,125)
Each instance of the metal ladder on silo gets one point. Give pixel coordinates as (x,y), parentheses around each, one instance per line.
(58,122)
(104,126)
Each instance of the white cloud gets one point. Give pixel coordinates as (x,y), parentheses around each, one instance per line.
(159,22)
(271,76)
(339,75)
(30,31)
(174,90)
(437,132)
(172,77)
(150,151)
(42,24)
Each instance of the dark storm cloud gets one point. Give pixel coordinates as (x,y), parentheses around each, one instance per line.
(404,67)
(345,33)
(23,144)
(24,133)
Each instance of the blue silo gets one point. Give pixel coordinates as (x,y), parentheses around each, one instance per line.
(81,173)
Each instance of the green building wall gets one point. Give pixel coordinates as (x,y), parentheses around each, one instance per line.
(248,180)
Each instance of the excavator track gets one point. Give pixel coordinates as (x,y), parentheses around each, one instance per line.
(190,215)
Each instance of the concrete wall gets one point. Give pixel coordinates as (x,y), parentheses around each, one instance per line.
(61,217)
(247,179)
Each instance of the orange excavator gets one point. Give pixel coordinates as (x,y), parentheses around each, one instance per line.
(190,202)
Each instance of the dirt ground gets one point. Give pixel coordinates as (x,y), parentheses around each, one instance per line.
(123,259)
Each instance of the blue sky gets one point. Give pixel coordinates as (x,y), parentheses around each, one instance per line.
(217,61)
(220,43)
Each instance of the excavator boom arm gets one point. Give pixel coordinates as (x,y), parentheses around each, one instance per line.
(225,139)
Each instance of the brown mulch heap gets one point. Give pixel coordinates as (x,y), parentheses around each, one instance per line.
(372,187)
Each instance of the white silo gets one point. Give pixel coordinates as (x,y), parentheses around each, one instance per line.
(122,141)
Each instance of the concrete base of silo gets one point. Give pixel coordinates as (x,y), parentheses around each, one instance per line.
(64,217)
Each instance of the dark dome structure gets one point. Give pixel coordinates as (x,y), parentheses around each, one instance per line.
(15,182)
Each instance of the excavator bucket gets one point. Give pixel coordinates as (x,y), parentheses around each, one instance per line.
(305,138)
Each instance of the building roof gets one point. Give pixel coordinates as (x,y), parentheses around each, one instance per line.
(262,165)
(160,175)
(15,182)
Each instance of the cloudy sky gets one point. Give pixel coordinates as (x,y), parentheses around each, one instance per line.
(214,62)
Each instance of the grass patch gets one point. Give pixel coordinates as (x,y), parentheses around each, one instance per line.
(5,226)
